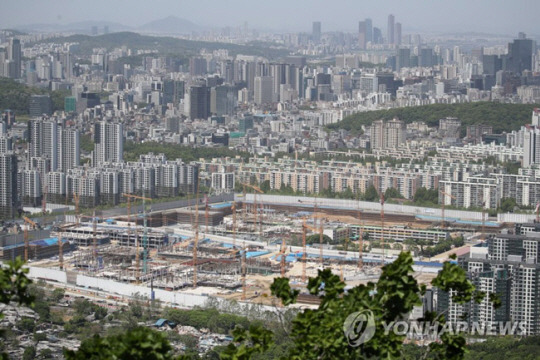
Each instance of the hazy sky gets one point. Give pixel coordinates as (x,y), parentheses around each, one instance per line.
(494,16)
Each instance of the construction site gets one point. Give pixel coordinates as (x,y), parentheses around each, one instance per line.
(232,250)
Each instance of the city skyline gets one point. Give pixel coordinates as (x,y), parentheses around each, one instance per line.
(416,15)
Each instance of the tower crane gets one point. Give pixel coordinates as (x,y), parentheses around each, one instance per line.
(282,259)
(244,270)
(145,237)
(483,220)
(233,208)
(206,212)
(60,249)
(306,227)
(44,200)
(76,199)
(321,236)
(258,190)
(360,237)
(196,240)
(26,241)
(381,195)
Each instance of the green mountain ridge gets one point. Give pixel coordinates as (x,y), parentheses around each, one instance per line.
(503,117)
(162,44)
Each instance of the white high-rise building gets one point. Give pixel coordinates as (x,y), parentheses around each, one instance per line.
(223,181)
(531,145)
(387,135)
(536,117)
(264,90)
(8,185)
(108,142)
(31,188)
(44,141)
(70,149)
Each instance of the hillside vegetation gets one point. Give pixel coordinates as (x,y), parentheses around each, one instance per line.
(132,151)
(503,117)
(16,96)
(162,44)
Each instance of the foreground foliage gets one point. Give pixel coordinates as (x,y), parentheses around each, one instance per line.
(319,334)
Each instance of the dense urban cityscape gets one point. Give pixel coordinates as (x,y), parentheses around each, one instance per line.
(248,193)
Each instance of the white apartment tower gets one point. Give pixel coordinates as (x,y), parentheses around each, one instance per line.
(531,145)
(387,135)
(70,150)
(8,185)
(44,141)
(108,142)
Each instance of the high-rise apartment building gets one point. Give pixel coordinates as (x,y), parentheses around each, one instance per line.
(531,145)
(377,36)
(397,37)
(387,135)
(14,55)
(199,102)
(316,32)
(70,149)
(263,90)
(509,268)
(390,30)
(9,200)
(369,30)
(30,188)
(108,142)
(43,141)
(40,105)
(362,34)
(197,66)
(520,55)
(223,100)
(403,58)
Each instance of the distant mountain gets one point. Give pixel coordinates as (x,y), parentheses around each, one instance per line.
(82,27)
(170,25)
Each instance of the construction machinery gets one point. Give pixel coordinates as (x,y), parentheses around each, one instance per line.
(445,195)
(26,241)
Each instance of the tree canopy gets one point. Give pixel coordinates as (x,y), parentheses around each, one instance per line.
(162,44)
(16,96)
(503,117)
(322,333)
(133,150)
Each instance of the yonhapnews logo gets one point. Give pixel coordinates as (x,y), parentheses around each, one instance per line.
(359,327)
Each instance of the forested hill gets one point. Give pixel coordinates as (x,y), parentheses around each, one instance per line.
(16,96)
(164,44)
(503,117)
